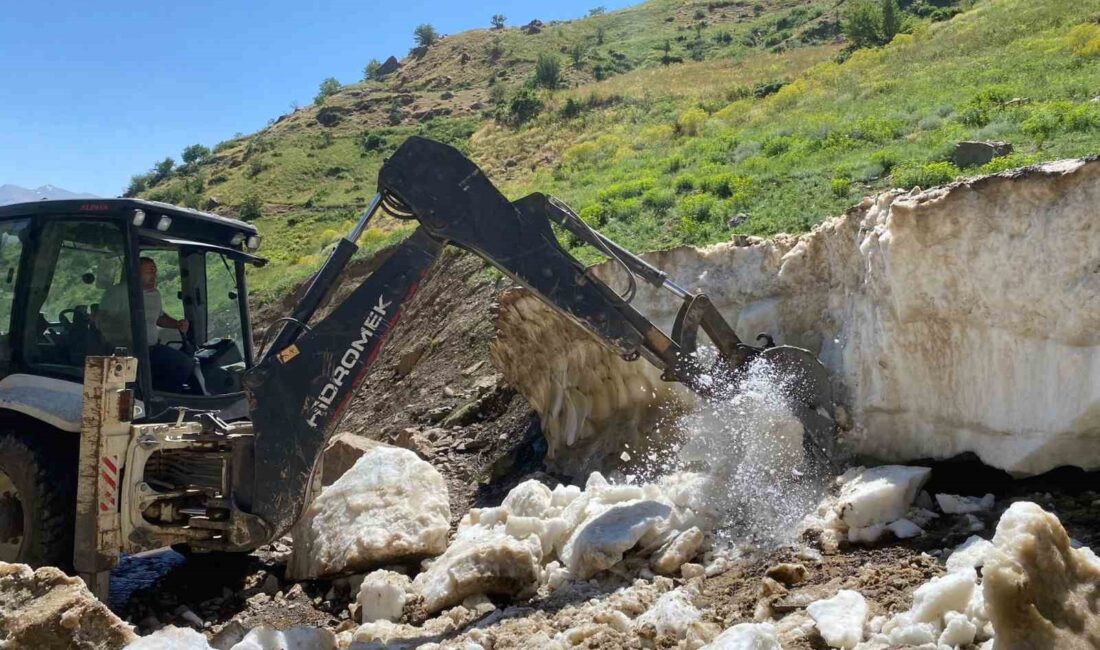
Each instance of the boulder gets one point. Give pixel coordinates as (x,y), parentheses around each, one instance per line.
(388,66)
(930,309)
(330,116)
(389,507)
(46,609)
(973,154)
(533,27)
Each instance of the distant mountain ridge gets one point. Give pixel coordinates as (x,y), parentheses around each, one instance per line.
(16,194)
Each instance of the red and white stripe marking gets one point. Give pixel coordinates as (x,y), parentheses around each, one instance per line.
(108,499)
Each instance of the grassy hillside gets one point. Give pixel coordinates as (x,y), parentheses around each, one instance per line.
(767,123)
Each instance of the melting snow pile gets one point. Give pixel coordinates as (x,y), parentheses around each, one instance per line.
(1034,591)
(931,309)
(539,536)
(389,507)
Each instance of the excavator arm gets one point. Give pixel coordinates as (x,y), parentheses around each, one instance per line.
(300,389)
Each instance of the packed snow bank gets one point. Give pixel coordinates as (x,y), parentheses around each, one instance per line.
(1040,592)
(46,609)
(956,319)
(389,507)
(539,536)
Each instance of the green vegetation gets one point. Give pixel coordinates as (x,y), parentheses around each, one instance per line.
(328,88)
(371,70)
(497,21)
(425,35)
(774,129)
(548,71)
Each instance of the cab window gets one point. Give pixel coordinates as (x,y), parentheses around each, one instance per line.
(78,296)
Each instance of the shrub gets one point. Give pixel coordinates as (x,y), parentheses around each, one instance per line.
(1084,40)
(658,199)
(600,32)
(841,187)
(861,23)
(497,21)
(369,142)
(931,174)
(251,207)
(597,11)
(547,71)
(195,154)
(571,109)
(596,215)
(696,207)
(162,170)
(691,121)
(328,87)
(138,184)
(684,183)
(775,145)
(525,104)
(1049,118)
(625,190)
(425,35)
(255,167)
(371,71)
(1011,161)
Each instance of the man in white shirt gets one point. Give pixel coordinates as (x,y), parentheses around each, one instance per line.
(171,368)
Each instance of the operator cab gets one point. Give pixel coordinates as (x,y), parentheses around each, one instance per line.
(71,285)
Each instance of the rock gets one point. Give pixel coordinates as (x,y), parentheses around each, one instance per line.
(690,571)
(840,618)
(408,360)
(866,292)
(953,504)
(389,66)
(787,574)
(382,596)
(679,551)
(342,451)
(330,116)
(746,636)
(271,585)
(389,507)
(973,154)
(879,495)
(969,555)
(533,27)
(480,560)
(46,609)
(1039,592)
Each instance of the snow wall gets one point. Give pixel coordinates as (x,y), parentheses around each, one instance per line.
(961,318)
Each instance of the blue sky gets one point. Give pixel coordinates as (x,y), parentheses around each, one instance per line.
(94,92)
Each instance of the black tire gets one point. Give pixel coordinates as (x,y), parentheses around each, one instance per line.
(42,466)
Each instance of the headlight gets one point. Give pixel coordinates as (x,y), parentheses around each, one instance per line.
(164,224)
(253,242)
(139,218)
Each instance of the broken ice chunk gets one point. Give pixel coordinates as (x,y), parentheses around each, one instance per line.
(840,619)
(880,495)
(969,555)
(746,636)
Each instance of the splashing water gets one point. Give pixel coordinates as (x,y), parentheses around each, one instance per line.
(749,443)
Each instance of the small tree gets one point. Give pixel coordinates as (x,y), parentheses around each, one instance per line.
(497,21)
(194,154)
(328,88)
(371,71)
(861,23)
(162,170)
(597,11)
(425,35)
(547,71)
(251,207)
(138,184)
(891,20)
(525,105)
